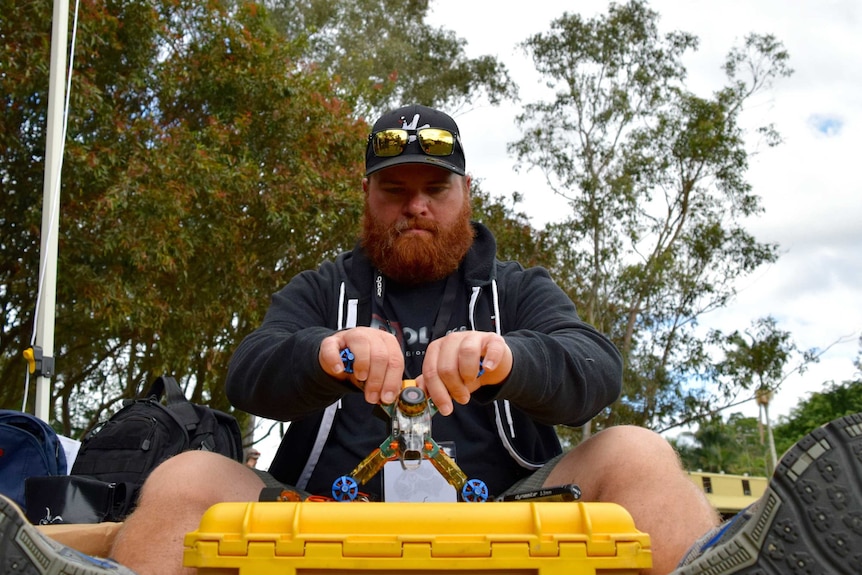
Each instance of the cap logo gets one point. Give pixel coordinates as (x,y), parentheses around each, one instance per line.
(412,127)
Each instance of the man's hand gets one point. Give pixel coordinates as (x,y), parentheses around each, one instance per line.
(451,368)
(378,362)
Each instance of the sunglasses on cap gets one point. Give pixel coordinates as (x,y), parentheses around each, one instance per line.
(433,141)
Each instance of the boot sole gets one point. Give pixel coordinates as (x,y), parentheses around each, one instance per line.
(809,520)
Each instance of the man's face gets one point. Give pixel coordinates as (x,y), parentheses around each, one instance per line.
(417,222)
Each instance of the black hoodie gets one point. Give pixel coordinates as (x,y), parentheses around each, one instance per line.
(564,372)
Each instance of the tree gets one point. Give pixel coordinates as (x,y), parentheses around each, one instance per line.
(383,54)
(516,238)
(209,158)
(201,152)
(654,175)
(758,359)
(720,446)
(836,400)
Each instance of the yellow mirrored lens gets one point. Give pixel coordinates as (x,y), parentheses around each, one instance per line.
(389,143)
(436,141)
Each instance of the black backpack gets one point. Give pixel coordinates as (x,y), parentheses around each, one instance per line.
(145,432)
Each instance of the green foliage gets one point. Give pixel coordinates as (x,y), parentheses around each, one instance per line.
(654,176)
(205,166)
(383,54)
(757,358)
(516,239)
(836,400)
(734,446)
(214,151)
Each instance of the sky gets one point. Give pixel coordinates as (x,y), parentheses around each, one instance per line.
(809,185)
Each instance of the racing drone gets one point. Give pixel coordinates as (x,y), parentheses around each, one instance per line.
(409,442)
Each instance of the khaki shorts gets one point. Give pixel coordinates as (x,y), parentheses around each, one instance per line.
(532,482)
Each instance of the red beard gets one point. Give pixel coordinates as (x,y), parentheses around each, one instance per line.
(418,259)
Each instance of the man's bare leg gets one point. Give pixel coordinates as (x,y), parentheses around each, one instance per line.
(639,470)
(173,500)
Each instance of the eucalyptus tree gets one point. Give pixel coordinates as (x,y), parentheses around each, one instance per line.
(383,54)
(655,178)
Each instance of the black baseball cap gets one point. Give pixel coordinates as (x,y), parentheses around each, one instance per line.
(413,118)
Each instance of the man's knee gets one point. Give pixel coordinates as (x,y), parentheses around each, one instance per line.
(200,476)
(629,444)
(614,455)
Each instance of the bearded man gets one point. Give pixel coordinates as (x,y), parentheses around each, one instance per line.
(422,297)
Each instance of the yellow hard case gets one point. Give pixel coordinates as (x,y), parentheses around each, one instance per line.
(495,538)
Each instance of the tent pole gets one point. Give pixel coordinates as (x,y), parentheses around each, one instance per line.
(51,203)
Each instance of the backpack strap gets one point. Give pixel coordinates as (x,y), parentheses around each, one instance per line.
(176,401)
(167,386)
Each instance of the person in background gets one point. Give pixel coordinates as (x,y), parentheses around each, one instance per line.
(251,457)
(502,352)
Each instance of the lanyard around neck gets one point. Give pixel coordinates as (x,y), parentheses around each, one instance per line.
(444,313)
